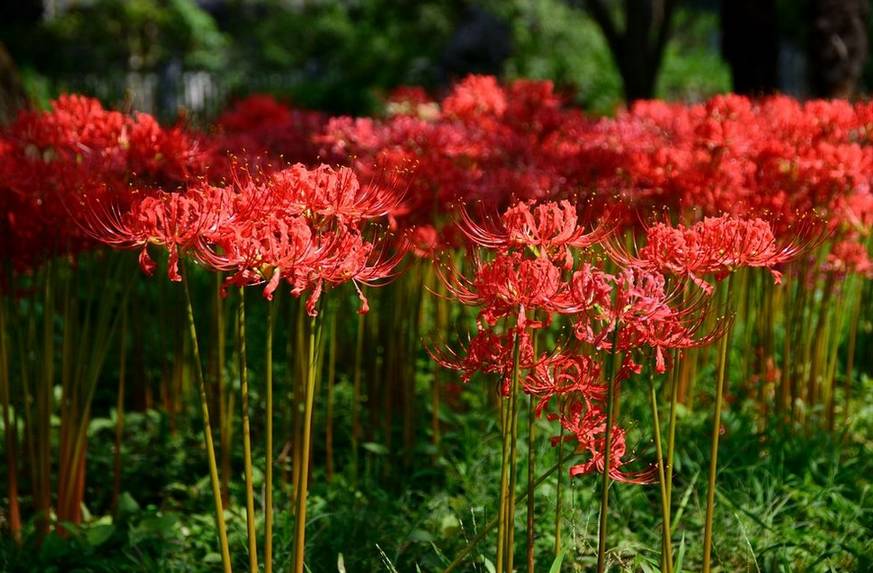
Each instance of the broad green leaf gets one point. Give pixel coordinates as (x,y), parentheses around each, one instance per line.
(126,504)
(212,558)
(99,534)
(556,564)
(375,448)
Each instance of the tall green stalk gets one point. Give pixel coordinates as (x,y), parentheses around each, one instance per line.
(331,379)
(356,394)
(610,422)
(506,521)
(513,470)
(119,411)
(671,444)
(42,421)
(225,403)
(268,462)
(531,467)
(442,322)
(504,482)
(850,351)
(207,430)
(667,546)
(716,432)
(300,376)
(559,491)
(306,445)
(247,438)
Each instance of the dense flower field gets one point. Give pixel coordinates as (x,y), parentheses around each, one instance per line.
(495,238)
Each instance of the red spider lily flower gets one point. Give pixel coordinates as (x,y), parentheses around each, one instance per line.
(550,229)
(335,193)
(716,245)
(589,289)
(263,251)
(300,225)
(510,284)
(675,333)
(587,424)
(640,298)
(475,96)
(488,353)
(348,258)
(604,303)
(638,304)
(849,256)
(561,375)
(171,220)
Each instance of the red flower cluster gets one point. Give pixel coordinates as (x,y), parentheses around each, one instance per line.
(51,162)
(746,178)
(776,159)
(528,282)
(264,133)
(716,245)
(484,142)
(304,226)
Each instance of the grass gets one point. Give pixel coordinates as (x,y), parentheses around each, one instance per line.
(800,503)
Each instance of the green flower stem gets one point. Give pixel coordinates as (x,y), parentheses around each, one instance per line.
(207,432)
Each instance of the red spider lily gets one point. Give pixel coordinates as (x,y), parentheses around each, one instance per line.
(637,303)
(331,193)
(174,221)
(263,133)
(635,298)
(587,424)
(350,258)
(550,229)
(561,375)
(488,353)
(589,289)
(54,162)
(263,251)
(475,96)
(716,245)
(297,224)
(300,225)
(510,285)
(676,333)
(849,256)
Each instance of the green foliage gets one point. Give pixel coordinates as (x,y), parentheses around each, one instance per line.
(557,42)
(139,34)
(342,54)
(777,496)
(692,68)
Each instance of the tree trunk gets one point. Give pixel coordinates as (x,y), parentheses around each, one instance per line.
(638,48)
(837,46)
(750,45)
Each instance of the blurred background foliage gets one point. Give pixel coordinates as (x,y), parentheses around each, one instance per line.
(345,55)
